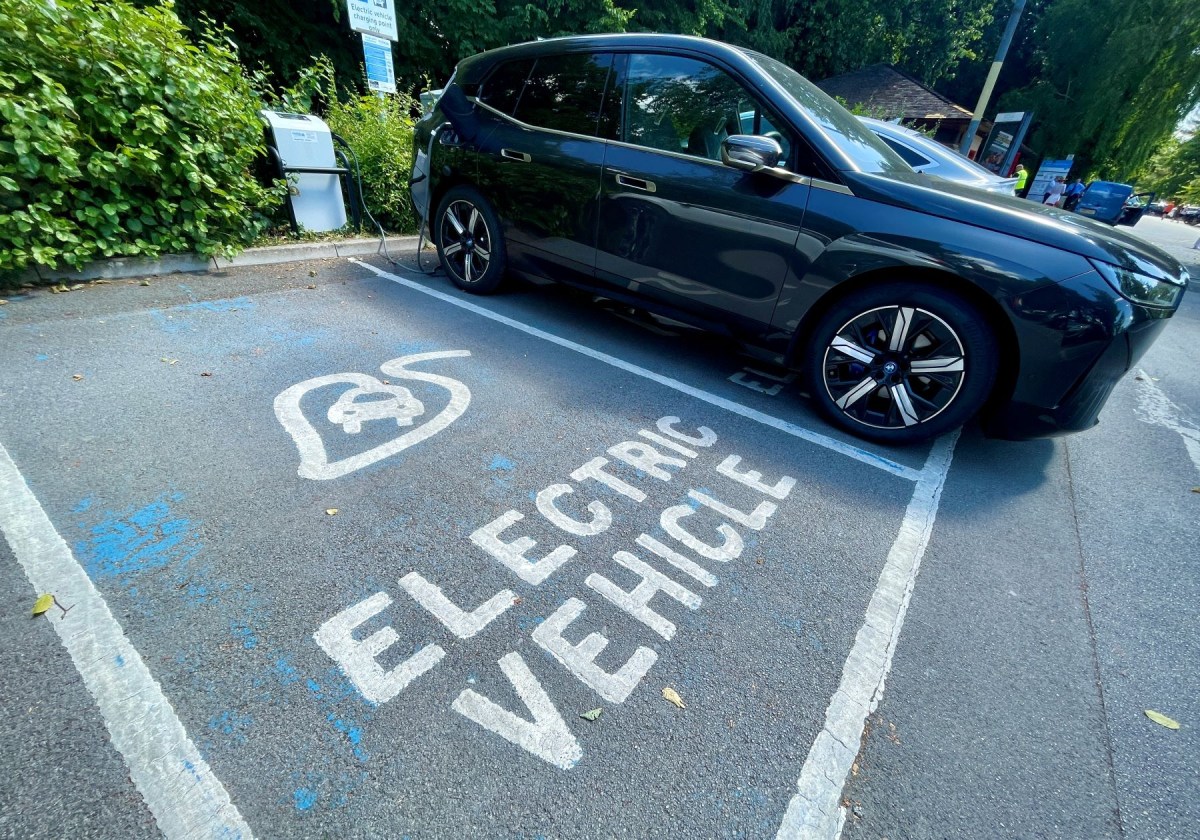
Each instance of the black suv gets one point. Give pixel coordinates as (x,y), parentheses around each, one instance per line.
(717,186)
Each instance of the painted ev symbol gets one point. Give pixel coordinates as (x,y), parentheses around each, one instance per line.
(369,399)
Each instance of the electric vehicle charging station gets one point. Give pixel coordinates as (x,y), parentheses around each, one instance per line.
(302,148)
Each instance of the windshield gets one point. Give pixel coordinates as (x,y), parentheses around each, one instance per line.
(865,151)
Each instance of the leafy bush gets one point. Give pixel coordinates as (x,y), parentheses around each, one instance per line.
(119,137)
(380,131)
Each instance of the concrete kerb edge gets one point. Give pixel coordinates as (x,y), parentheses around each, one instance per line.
(121,268)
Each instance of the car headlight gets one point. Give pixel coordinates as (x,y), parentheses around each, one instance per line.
(1141,288)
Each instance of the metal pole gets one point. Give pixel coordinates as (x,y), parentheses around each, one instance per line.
(986,93)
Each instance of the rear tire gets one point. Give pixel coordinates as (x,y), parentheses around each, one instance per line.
(901,362)
(469,242)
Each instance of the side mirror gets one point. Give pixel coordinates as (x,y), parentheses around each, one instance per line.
(750,152)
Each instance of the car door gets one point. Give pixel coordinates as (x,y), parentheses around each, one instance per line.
(677,225)
(540,165)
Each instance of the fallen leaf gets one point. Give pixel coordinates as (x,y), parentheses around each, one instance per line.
(312,273)
(591,715)
(206,373)
(672,696)
(76,287)
(1140,378)
(77,377)
(144,283)
(43,603)
(3,302)
(516,599)
(1157,717)
(1196,489)
(331,511)
(311,286)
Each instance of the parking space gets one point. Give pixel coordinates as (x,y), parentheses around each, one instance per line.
(381,545)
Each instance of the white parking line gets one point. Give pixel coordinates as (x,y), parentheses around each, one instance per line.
(816,438)
(1155,407)
(186,798)
(815,811)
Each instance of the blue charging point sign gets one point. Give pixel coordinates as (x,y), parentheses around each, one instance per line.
(377,54)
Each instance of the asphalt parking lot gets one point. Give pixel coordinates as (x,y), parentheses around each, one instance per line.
(284,614)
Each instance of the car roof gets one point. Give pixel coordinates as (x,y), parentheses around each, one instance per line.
(943,156)
(471,70)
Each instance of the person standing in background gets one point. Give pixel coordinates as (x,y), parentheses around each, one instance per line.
(1073,193)
(1022,179)
(1054,192)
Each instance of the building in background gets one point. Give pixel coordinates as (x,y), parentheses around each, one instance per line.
(888,94)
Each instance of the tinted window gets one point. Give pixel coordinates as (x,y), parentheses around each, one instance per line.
(910,157)
(863,150)
(503,88)
(565,93)
(682,105)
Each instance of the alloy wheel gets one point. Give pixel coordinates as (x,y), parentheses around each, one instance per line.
(894,367)
(466,241)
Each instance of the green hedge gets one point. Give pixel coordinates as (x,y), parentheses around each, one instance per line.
(119,137)
(380,131)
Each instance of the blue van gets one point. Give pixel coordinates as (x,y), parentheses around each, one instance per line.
(1116,204)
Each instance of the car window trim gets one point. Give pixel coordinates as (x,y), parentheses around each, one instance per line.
(794,178)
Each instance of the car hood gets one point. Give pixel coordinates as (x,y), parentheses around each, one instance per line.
(1016,217)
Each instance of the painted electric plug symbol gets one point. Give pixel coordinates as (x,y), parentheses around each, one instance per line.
(351,410)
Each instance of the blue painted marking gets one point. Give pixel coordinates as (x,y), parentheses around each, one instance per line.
(499,462)
(120,660)
(41,357)
(241,631)
(84,504)
(136,540)
(191,768)
(231,723)
(304,798)
(284,670)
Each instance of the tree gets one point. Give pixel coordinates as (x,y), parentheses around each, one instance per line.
(1174,170)
(1111,79)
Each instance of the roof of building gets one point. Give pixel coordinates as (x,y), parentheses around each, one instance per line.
(891,93)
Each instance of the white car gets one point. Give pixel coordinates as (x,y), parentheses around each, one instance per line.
(925,154)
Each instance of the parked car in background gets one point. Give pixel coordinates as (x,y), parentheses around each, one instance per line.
(925,154)
(624,164)
(1113,203)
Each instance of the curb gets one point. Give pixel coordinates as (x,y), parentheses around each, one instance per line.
(120,268)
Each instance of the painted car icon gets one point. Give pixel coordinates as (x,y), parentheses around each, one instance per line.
(355,407)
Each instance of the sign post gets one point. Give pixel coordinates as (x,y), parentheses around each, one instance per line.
(1047,172)
(376,20)
(1004,141)
(373,17)
(377,52)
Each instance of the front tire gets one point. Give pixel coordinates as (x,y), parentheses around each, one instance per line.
(469,242)
(901,362)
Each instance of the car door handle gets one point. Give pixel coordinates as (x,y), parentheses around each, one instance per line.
(635,183)
(512,154)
